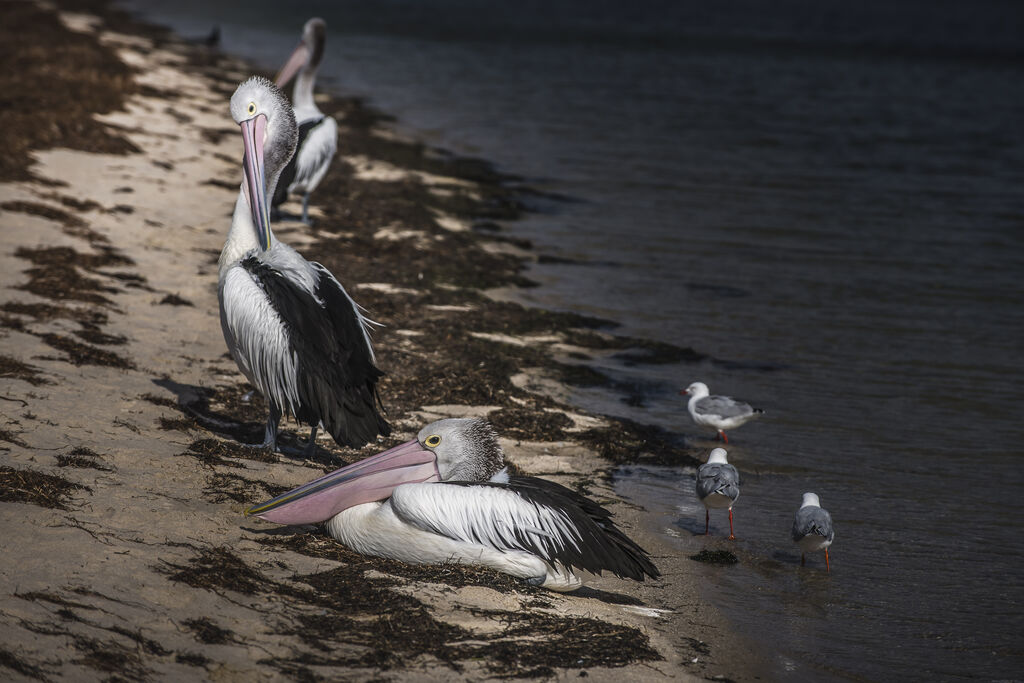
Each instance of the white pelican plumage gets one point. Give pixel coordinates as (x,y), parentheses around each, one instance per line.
(447,497)
(318,134)
(291,327)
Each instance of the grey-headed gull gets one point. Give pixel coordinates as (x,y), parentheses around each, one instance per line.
(718,412)
(812,528)
(718,486)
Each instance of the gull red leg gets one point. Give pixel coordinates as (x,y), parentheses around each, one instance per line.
(707,521)
(732,536)
(724,437)
(827,568)
(803,559)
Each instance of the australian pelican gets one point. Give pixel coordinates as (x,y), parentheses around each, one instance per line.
(718,412)
(812,528)
(447,497)
(291,327)
(318,134)
(718,486)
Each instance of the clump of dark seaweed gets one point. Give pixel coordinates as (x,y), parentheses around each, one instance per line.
(29,486)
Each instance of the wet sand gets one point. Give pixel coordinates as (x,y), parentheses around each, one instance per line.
(122,481)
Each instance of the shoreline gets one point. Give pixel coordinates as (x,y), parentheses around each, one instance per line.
(140,418)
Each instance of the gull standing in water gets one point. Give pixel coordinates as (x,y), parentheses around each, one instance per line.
(718,412)
(291,327)
(812,528)
(718,486)
(318,134)
(446,497)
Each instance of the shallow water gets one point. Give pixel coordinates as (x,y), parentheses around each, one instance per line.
(827,201)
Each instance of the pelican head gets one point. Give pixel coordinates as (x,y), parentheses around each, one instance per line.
(696,390)
(464,450)
(308,52)
(269,137)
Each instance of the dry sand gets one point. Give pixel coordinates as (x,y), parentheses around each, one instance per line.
(125,552)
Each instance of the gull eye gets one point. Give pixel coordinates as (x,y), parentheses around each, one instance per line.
(432,441)
(251,108)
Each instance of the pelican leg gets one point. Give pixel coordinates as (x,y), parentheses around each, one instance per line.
(732,536)
(707,521)
(305,209)
(270,438)
(310,450)
(827,568)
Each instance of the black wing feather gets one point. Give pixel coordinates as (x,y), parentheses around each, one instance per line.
(287,176)
(337,379)
(602,546)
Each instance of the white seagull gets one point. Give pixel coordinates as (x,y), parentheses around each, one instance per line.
(718,486)
(291,327)
(718,412)
(812,528)
(446,497)
(318,134)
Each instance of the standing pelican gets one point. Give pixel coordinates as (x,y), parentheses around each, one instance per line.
(446,497)
(718,412)
(318,134)
(812,528)
(718,486)
(289,324)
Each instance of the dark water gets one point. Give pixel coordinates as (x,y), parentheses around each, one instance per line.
(828,200)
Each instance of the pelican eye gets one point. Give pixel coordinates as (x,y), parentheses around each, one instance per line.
(432,441)
(251,108)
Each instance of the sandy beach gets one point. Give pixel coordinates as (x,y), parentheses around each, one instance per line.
(122,478)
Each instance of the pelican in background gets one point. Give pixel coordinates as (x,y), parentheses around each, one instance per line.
(446,497)
(718,486)
(318,134)
(718,412)
(291,327)
(812,528)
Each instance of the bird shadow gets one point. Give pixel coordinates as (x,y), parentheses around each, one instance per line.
(232,413)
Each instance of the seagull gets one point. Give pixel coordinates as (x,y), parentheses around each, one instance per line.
(289,324)
(812,528)
(718,412)
(446,496)
(318,134)
(718,486)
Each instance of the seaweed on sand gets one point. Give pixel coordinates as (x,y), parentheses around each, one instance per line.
(29,486)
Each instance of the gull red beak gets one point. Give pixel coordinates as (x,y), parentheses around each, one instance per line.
(363,482)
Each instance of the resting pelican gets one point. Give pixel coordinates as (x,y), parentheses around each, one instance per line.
(291,327)
(318,134)
(812,528)
(718,412)
(718,486)
(447,497)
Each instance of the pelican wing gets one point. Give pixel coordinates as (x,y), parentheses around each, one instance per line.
(318,142)
(722,406)
(813,520)
(313,156)
(717,477)
(526,514)
(335,376)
